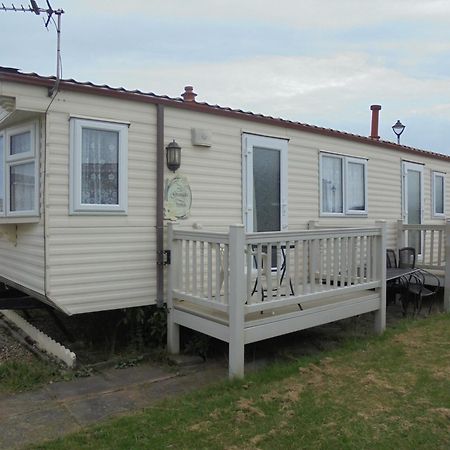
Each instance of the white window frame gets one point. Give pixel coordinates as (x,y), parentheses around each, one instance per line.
(249,141)
(76,127)
(434,175)
(10,160)
(416,167)
(346,211)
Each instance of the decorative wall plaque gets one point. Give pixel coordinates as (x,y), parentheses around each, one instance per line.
(178,198)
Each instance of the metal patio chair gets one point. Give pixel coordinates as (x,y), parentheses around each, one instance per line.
(397,286)
(407,258)
(272,270)
(423,284)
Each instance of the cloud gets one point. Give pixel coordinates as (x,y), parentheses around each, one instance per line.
(321,62)
(298,13)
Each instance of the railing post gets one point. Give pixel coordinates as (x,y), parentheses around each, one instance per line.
(447,268)
(173,329)
(380,315)
(237,296)
(400,235)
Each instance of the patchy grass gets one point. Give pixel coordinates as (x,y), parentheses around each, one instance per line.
(391,392)
(18,376)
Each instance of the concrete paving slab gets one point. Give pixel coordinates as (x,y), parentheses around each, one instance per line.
(64,407)
(36,426)
(13,405)
(97,408)
(79,387)
(144,373)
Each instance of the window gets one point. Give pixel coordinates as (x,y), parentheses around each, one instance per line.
(438,203)
(99,155)
(19,171)
(343,185)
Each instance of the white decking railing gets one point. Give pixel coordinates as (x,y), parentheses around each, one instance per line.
(432,243)
(242,288)
(434,251)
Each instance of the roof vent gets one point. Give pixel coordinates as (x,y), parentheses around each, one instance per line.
(189,94)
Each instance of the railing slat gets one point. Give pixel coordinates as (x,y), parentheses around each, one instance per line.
(329,242)
(319,262)
(187,282)
(218,271)
(424,245)
(210,258)
(202,268)
(259,269)
(268,270)
(432,247)
(440,233)
(362,265)
(335,262)
(194,268)
(287,269)
(249,255)
(296,267)
(305,266)
(226,274)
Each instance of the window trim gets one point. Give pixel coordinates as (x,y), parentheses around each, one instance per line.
(434,175)
(9,161)
(346,212)
(75,205)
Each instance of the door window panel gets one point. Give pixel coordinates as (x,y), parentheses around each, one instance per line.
(266,189)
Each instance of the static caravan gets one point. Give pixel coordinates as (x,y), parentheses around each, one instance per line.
(90,178)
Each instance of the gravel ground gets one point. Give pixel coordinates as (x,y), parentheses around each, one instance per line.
(10,348)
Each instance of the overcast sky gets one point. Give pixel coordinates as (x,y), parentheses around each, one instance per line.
(322,62)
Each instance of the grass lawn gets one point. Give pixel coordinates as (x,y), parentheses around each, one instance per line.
(19,376)
(389,392)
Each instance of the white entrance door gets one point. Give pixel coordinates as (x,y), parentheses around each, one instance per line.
(265,183)
(413,201)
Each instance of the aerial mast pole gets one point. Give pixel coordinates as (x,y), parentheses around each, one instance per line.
(34,8)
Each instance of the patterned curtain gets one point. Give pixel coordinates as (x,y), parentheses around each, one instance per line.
(100,167)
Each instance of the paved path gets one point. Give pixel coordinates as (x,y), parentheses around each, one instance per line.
(65,407)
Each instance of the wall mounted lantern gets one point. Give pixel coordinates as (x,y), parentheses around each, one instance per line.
(173,156)
(398,129)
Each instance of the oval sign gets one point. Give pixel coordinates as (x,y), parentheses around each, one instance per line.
(178,198)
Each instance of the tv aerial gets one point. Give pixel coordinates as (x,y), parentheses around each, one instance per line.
(50,12)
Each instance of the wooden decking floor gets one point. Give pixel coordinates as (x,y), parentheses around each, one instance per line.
(274,313)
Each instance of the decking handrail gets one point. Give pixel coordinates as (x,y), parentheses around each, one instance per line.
(222,283)
(313,264)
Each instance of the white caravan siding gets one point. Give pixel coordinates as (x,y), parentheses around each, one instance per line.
(22,245)
(215,173)
(99,262)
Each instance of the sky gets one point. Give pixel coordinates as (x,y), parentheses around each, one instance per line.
(321,62)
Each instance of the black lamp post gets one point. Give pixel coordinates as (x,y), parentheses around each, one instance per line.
(173,156)
(398,129)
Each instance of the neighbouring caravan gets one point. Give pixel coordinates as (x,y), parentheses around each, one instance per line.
(85,192)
